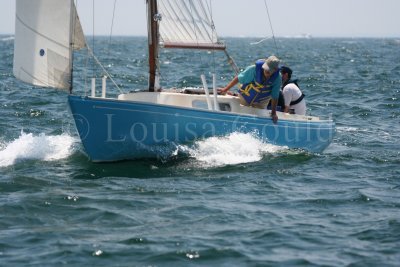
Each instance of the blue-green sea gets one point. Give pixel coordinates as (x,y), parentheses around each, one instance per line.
(227,201)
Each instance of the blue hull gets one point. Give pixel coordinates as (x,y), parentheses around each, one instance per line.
(113,130)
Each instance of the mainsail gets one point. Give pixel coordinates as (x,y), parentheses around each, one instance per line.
(46,32)
(179,24)
(187,24)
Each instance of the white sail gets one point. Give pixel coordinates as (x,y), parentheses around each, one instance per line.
(187,24)
(43,33)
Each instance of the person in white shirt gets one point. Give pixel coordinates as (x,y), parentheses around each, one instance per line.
(294,98)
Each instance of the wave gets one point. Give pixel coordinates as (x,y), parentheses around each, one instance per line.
(41,147)
(234,148)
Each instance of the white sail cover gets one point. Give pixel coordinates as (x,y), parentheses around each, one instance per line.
(187,24)
(43,33)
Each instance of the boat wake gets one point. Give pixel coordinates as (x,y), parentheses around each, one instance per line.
(234,148)
(41,147)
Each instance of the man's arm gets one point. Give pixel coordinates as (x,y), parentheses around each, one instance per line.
(276,87)
(274,103)
(230,85)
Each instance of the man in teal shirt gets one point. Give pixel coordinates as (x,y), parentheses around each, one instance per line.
(259,84)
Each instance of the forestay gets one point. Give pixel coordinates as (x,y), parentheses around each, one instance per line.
(46,31)
(187,24)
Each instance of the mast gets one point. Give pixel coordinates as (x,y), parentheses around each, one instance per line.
(71,43)
(152,28)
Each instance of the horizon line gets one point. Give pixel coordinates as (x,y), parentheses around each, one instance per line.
(298,36)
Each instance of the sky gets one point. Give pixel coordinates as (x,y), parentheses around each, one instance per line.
(245,18)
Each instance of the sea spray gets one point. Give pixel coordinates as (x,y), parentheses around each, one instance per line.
(40,147)
(234,148)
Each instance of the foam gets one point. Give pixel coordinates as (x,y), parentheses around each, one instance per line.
(234,148)
(40,147)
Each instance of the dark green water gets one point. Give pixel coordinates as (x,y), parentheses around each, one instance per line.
(232,201)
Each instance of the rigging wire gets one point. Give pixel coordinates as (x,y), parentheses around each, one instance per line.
(270,24)
(192,16)
(109,40)
(212,31)
(103,68)
(112,26)
(91,50)
(231,61)
(85,69)
(87,57)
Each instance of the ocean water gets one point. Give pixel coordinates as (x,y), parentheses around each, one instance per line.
(227,201)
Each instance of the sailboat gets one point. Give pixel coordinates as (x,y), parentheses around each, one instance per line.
(141,123)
